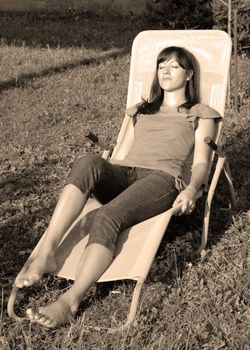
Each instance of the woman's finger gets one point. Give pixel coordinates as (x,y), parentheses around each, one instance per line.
(177,201)
(184,207)
(187,207)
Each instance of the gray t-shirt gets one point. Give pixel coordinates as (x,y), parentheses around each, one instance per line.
(165,141)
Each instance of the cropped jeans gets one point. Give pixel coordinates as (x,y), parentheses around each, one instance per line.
(129,195)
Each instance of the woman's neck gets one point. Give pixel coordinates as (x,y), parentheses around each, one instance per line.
(174,98)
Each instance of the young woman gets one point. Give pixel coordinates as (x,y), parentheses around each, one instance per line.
(156,173)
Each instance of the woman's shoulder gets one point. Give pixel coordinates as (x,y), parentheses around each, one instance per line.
(202,110)
(132,110)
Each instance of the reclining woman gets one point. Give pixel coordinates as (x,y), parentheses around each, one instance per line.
(154,176)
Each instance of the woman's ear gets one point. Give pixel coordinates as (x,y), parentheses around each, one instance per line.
(189,75)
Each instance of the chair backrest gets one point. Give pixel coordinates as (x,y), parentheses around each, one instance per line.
(212,48)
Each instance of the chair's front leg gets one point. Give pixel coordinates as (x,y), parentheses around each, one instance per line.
(134,304)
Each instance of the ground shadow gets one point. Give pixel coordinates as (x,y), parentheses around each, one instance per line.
(103,28)
(113,33)
(22,80)
(22,225)
(67,29)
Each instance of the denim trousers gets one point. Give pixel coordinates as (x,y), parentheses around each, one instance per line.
(129,195)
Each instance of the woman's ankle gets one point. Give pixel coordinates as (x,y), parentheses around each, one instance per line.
(72,299)
(47,249)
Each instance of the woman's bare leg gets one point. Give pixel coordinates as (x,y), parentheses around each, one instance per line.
(94,262)
(68,208)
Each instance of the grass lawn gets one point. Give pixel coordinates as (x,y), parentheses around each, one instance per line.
(59,76)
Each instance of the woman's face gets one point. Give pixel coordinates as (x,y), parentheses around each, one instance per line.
(172,76)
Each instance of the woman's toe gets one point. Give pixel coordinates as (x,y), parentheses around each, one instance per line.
(31,313)
(31,280)
(49,323)
(18,283)
(26,283)
(42,319)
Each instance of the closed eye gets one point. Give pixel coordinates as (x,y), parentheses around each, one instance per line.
(171,66)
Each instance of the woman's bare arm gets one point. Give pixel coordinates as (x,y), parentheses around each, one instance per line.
(202,153)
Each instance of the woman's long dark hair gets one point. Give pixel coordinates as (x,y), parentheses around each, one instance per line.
(187,61)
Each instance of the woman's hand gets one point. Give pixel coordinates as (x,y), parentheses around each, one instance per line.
(188,198)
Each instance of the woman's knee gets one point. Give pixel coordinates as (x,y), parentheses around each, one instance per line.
(106,227)
(91,161)
(86,172)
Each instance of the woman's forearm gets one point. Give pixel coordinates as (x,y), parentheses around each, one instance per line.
(199,173)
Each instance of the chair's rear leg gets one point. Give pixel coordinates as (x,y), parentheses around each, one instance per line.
(230,184)
(218,169)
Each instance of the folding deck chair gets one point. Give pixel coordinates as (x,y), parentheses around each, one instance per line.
(137,246)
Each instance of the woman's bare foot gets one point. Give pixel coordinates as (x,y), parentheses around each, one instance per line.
(35,269)
(58,313)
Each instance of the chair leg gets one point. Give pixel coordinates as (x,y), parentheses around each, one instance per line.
(230,184)
(132,311)
(222,163)
(134,303)
(218,169)
(133,307)
(11,304)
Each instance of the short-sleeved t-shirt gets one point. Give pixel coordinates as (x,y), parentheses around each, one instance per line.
(165,141)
